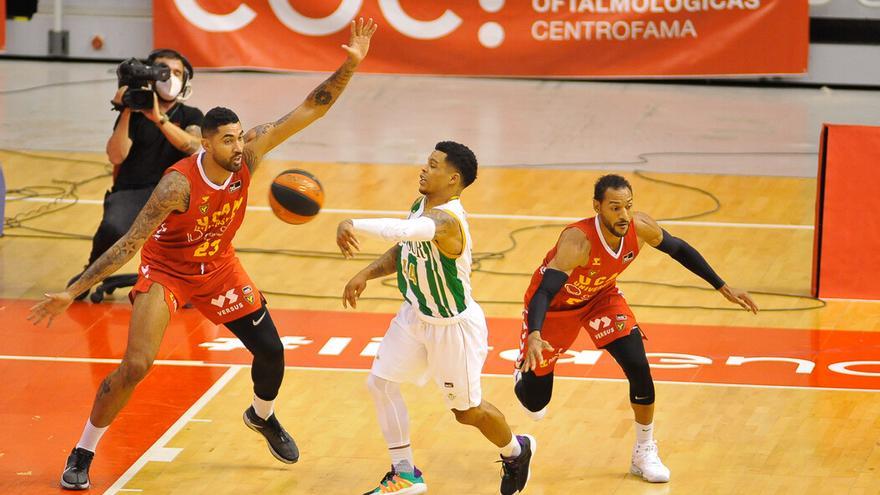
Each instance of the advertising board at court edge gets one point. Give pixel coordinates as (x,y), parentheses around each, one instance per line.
(527,38)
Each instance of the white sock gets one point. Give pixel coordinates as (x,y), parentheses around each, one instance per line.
(512,449)
(644,433)
(402,459)
(90,436)
(263,408)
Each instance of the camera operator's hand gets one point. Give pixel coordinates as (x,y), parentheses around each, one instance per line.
(155,113)
(117,99)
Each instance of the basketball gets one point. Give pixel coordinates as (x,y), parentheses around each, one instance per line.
(296,196)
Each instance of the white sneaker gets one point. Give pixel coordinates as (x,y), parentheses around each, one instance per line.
(646,463)
(533,415)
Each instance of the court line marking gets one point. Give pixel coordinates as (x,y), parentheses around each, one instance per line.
(491,375)
(158,448)
(843,299)
(167,362)
(489,216)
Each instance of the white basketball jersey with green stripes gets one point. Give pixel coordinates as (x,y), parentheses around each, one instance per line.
(438,284)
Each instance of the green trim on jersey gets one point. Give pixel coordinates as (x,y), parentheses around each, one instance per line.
(401,279)
(454,284)
(436,287)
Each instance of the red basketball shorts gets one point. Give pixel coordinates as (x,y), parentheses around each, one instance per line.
(221,295)
(606,318)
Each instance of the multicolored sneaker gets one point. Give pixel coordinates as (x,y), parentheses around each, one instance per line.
(515,471)
(401,483)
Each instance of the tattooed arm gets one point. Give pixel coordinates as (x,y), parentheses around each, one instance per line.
(171,194)
(448,233)
(263,138)
(385,265)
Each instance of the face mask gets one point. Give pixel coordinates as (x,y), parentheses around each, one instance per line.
(168,90)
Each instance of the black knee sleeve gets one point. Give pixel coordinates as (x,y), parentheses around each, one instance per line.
(629,352)
(262,340)
(534,391)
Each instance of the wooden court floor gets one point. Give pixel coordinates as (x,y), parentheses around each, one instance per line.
(722,427)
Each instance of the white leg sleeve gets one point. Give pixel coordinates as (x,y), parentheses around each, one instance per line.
(393,416)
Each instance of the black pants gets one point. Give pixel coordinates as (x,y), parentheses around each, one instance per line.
(120,210)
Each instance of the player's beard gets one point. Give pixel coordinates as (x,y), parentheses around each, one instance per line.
(231,165)
(614,228)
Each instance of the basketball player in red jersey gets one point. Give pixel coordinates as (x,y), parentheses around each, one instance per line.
(575,288)
(186,229)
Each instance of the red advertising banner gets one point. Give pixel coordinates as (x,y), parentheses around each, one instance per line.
(750,356)
(545,38)
(2,26)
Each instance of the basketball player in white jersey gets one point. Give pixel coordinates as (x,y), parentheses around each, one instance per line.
(440,332)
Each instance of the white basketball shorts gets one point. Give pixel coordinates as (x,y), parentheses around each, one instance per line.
(451,351)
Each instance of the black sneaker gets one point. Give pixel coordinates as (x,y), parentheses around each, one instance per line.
(515,471)
(79,297)
(76,472)
(280,442)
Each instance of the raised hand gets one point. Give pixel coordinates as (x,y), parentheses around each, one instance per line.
(359,44)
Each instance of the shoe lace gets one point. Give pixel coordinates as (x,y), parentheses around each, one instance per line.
(383,482)
(650,454)
(509,467)
(389,476)
(81,461)
(277,429)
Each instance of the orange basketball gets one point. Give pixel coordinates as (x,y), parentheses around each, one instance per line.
(296,196)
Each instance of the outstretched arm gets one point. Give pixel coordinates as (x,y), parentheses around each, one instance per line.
(172,193)
(385,265)
(572,250)
(436,225)
(649,231)
(263,138)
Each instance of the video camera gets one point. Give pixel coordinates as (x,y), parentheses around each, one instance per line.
(137,76)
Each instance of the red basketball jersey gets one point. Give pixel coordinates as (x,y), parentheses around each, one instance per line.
(199,240)
(600,273)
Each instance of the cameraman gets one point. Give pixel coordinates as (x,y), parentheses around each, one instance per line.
(144,143)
